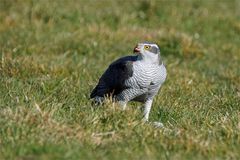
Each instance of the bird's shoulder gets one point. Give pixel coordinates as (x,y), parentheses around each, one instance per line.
(123,65)
(124,61)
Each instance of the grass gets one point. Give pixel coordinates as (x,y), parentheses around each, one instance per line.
(53,52)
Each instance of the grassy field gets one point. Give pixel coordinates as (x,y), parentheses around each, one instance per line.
(53,52)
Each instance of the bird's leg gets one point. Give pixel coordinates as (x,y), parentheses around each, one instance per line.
(124,97)
(123,104)
(147,108)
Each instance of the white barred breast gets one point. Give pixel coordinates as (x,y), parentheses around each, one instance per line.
(145,82)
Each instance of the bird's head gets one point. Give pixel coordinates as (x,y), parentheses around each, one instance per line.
(148,52)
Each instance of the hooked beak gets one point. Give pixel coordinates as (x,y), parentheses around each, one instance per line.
(136,50)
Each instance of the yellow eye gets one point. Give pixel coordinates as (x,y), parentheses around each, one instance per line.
(146,47)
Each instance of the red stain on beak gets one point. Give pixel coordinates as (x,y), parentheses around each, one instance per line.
(136,50)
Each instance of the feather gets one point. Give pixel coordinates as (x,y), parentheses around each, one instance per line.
(112,81)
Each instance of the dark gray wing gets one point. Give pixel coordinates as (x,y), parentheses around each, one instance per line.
(112,81)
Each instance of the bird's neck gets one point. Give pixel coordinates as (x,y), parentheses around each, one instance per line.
(148,60)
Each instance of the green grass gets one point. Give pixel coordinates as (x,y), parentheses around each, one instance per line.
(53,52)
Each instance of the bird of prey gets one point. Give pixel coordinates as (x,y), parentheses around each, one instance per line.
(133,78)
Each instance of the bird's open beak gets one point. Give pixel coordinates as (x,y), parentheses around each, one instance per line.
(136,50)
